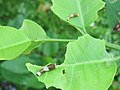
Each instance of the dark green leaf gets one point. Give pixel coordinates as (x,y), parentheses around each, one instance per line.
(113,12)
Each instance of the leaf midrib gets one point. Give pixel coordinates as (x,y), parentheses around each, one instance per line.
(90,62)
(80,10)
(15,44)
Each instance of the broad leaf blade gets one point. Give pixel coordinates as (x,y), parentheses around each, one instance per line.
(87,66)
(35,33)
(12,43)
(87,10)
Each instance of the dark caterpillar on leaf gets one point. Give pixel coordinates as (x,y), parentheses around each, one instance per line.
(117,26)
(45,69)
(72,16)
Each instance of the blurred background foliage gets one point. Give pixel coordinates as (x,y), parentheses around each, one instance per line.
(14,74)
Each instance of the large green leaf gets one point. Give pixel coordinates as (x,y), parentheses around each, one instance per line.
(113,12)
(35,33)
(12,43)
(87,66)
(87,10)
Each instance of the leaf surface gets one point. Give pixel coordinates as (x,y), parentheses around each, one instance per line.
(35,33)
(87,66)
(12,43)
(87,10)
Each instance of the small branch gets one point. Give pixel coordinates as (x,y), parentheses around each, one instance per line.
(57,40)
(113,46)
(109,45)
(61,40)
(117,58)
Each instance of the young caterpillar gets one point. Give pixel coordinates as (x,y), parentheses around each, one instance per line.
(117,26)
(45,69)
(72,16)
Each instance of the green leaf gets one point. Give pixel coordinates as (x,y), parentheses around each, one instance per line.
(35,33)
(113,12)
(87,66)
(12,43)
(87,10)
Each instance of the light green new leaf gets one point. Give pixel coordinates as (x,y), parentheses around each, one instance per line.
(35,33)
(113,12)
(12,43)
(87,10)
(87,66)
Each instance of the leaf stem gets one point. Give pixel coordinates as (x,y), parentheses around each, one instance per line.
(112,46)
(57,40)
(117,58)
(109,45)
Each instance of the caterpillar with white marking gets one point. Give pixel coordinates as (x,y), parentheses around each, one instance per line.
(72,16)
(117,26)
(45,69)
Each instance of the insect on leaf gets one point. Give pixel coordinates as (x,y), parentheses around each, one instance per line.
(80,13)
(87,66)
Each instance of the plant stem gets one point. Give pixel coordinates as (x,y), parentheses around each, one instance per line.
(117,58)
(109,45)
(57,40)
(113,46)
(62,40)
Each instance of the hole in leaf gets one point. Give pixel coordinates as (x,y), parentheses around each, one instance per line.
(53,88)
(63,71)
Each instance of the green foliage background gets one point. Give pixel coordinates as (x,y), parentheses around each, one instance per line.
(13,12)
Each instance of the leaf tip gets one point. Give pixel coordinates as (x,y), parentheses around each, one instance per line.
(28,65)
